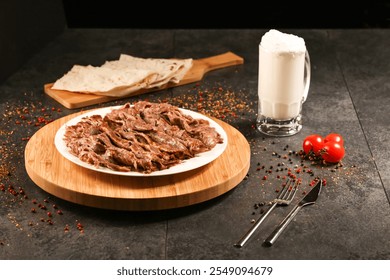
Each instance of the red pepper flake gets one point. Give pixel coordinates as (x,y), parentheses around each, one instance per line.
(265,177)
(59,212)
(49,214)
(12,191)
(33,210)
(80,227)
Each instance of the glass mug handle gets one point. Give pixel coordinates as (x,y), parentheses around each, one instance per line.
(307,76)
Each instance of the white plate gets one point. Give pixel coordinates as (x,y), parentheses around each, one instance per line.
(190,164)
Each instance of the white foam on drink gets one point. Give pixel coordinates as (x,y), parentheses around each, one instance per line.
(277,41)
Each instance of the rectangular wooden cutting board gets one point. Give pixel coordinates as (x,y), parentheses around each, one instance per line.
(200,67)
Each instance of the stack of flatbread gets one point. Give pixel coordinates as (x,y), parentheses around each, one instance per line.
(123,76)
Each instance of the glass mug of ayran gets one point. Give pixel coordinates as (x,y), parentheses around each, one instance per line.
(283,85)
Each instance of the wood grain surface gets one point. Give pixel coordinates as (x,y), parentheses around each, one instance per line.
(74,100)
(66,180)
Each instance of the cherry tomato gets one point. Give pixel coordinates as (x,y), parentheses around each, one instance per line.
(335,137)
(332,152)
(307,146)
(313,143)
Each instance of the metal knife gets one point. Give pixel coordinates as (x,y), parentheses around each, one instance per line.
(309,199)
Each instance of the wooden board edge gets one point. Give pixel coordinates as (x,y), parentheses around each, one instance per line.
(138,204)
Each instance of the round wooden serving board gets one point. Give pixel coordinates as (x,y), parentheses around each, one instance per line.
(66,180)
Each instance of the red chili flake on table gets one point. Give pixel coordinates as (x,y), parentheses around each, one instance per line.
(80,227)
(12,191)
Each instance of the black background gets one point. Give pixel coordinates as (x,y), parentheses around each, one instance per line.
(222,14)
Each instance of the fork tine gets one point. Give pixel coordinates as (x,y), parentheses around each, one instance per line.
(283,192)
(289,190)
(286,189)
(293,190)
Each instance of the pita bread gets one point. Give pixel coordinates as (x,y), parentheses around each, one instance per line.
(124,76)
(168,70)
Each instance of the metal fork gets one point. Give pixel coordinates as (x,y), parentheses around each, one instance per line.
(284,198)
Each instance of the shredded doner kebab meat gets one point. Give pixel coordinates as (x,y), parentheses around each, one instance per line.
(145,137)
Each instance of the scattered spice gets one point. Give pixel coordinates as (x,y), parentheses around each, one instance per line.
(22,119)
(80,227)
(215,101)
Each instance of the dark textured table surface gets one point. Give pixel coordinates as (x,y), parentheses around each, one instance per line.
(349,94)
